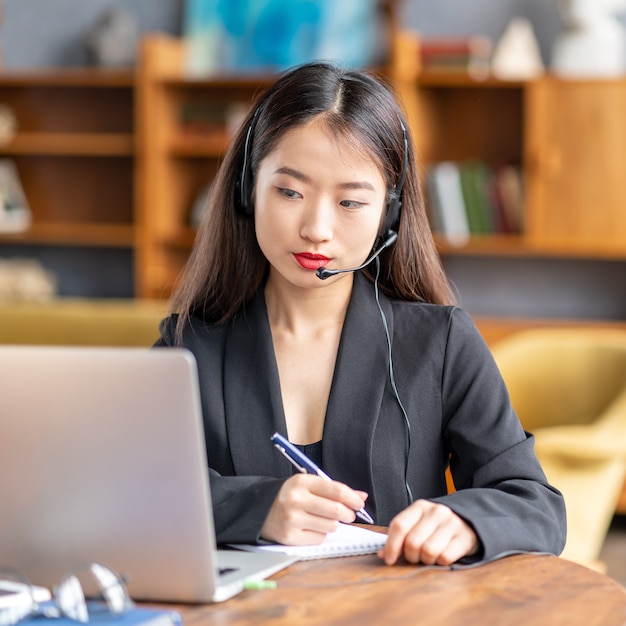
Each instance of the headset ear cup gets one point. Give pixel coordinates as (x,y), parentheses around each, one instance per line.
(243,197)
(238,204)
(394,207)
(393,217)
(243,191)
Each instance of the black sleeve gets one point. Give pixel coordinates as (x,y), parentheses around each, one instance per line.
(240,503)
(501,489)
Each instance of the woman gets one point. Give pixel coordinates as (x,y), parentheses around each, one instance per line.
(375,374)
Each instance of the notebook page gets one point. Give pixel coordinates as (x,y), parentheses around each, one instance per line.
(347,540)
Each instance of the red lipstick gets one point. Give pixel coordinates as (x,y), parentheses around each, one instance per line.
(310,261)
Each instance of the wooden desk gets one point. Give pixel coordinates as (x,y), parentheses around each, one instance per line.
(358,591)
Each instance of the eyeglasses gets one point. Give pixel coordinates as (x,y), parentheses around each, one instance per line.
(84,594)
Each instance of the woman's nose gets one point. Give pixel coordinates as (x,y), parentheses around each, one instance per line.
(317,221)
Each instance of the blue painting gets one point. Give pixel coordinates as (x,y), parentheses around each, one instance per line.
(253,36)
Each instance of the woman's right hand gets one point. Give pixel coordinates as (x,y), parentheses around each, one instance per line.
(308,507)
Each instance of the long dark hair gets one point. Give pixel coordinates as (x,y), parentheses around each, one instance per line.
(226,266)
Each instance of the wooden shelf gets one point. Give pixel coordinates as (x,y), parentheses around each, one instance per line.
(182,239)
(69,77)
(106,160)
(245,82)
(452,116)
(519,246)
(74,150)
(567,137)
(73,234)
(198,145)
(180,161)
(84,135)
(79,144)
(458,79)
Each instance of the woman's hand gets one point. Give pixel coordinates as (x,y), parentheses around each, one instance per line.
(429,533)
(308,507)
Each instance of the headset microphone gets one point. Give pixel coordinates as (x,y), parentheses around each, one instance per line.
(322,273)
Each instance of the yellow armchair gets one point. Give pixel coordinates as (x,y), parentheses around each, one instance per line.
(568,386)
(82,322)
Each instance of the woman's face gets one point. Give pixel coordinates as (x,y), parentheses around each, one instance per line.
(318,202)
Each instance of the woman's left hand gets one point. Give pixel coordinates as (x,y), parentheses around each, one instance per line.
(429,533)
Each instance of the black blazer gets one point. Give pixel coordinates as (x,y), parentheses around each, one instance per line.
(448,386)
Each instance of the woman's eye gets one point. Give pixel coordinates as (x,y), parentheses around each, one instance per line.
(351,204)
(288,193)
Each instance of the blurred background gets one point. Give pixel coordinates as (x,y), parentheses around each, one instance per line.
(51,33)
(60,33)
(114,115)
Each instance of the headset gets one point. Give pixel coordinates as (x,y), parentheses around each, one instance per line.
(243,195)
(245,184)
(392,220)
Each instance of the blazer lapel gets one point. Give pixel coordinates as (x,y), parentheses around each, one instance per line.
(252,397)
(253,402)
(358,389)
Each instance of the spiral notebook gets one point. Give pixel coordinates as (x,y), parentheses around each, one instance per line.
(347,540)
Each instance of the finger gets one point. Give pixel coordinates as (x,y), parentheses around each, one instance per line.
(430,536)
(399,527)
(290,521)
(341,501)
(462,544)
(325,510)
(456,549)
(441,537)
(421,547)
(321,498)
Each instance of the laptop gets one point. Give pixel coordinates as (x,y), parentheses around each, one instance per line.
(102,459)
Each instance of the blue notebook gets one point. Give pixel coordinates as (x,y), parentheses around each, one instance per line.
(139,616)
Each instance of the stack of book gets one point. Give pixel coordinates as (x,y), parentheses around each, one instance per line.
(467,55)
(474,198)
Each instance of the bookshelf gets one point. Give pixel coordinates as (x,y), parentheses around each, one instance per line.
(568,138)
(561,134)
(107,161)
(74,150)
(576,151)
(179,157)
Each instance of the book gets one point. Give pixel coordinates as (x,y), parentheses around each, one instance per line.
(476,45)
(347,540)
(446,204)
(500,219)
(137,616)
(510,187)
(469,55)
(482,180)
(474,185)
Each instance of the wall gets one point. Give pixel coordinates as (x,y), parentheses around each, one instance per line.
(51,32)
(39,33)
(487,17)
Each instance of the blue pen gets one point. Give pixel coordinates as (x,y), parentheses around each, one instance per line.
(306,466)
